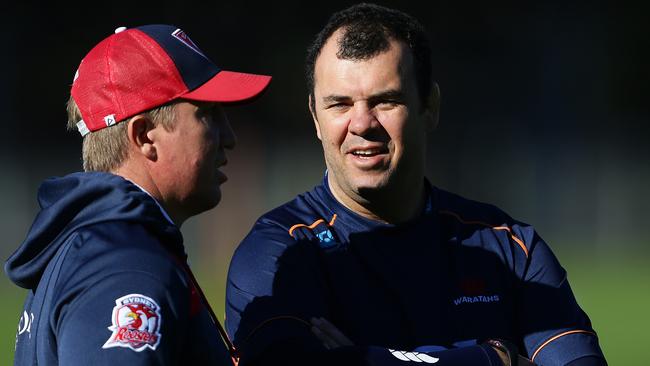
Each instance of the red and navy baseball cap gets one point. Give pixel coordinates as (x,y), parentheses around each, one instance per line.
(141,68)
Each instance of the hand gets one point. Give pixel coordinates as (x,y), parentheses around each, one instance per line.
(508,353)
(329,334)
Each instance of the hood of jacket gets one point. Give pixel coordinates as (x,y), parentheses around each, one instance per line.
(78,200)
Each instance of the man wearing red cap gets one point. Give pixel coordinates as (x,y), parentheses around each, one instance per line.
(104,261)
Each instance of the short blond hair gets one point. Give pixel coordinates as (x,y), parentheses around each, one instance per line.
(106,149)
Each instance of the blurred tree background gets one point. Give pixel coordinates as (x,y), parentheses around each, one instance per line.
(544,113)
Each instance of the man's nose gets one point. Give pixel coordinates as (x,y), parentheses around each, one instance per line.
(228,137)
(362,120)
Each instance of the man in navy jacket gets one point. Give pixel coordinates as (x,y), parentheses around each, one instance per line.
(375,266)
(104,260)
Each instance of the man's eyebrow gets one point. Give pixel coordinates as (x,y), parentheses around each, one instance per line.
(331,99)
(391,94)
(204,107)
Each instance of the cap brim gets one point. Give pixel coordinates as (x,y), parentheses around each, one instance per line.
(230,87)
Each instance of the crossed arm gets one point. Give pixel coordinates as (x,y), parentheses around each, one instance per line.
(274,290)
(333,338)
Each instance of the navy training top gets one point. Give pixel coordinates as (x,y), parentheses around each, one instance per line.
(108,281)
(427,290)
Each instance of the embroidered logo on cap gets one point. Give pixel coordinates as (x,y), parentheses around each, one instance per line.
(183,37)
(110,120)
(136,323)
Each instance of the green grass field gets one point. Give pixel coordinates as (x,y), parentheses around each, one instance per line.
(614,291)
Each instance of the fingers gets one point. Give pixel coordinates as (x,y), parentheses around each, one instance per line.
(334,332)
(329,334)
(324,338)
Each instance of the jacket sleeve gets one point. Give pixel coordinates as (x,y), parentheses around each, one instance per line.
(275,286)
(553,327)
(124,318)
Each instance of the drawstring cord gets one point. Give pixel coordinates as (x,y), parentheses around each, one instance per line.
(234,355)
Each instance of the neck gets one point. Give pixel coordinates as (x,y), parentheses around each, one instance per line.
(141,176)
(386,205)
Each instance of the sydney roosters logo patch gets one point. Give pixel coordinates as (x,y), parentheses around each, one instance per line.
(183,37)
(136,323)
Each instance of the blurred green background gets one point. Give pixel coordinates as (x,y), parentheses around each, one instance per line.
(544,113)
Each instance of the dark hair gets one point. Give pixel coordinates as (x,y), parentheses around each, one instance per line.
(368,29)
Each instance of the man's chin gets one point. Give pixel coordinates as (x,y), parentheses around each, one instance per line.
(214,200)
(207,202)
(371,188)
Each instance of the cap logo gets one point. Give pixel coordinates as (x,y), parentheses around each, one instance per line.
(185,39)
(109,120)
(136,323)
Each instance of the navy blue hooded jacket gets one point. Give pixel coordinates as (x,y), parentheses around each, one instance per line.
(461,272)
(108,281)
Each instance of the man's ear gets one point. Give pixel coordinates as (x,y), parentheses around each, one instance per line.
(432,108)
(140,138)
(312,106)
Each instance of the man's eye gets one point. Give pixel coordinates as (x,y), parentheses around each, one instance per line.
(390,102)
(205,114)
(208,112)
(337,106)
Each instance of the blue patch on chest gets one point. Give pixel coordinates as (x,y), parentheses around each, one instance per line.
(326,239)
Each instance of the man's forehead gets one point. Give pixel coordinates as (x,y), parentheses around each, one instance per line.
(383,71)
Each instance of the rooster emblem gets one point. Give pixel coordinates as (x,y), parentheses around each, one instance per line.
(137,317)
(136,323)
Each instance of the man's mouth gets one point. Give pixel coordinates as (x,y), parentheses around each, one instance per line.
(369,152)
